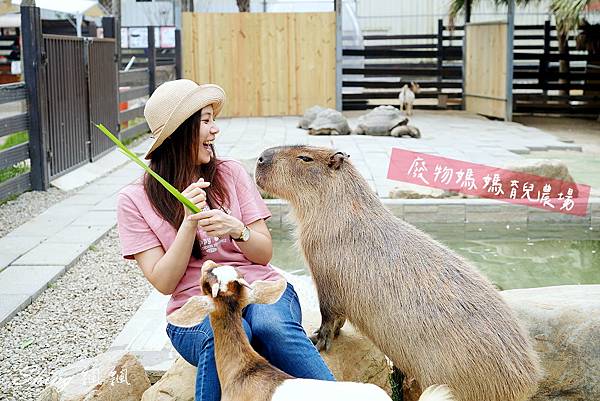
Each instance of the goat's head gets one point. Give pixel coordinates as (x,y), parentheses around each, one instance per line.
(220,282)
(223,281)
(415,87)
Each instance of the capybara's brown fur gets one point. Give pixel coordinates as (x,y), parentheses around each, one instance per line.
(433,314)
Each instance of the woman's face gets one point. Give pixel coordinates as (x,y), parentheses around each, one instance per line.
(208,131)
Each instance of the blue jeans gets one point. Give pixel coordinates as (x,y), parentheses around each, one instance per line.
(275,331)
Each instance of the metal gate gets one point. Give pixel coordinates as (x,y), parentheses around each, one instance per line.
(82,88)
(103,93)
(67,96)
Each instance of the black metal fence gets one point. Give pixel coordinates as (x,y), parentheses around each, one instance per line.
(70,84)
(391,61)
(538,84)
(17,154)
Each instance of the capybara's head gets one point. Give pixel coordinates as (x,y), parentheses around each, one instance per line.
(290,172)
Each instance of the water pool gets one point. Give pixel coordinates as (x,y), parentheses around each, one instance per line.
(510,256)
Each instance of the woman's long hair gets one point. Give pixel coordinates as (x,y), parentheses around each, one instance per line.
(176,161)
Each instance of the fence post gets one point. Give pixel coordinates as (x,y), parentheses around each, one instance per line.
(339,43)
(178,64)
(544,60)
(34,61)
(440,60)
(151,61)
(110,27)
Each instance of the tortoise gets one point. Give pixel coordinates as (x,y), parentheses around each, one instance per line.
(329,122)
(385,121)
(309,116)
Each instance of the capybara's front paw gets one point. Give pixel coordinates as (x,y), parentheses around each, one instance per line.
(322,339)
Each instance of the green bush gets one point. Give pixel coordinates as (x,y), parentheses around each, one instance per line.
(10,172)
(15,139)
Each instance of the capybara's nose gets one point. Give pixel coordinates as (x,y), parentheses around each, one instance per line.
(266,157)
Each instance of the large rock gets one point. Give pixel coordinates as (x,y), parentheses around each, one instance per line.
(112,376)
(564,323)
(554,169)
(177,384)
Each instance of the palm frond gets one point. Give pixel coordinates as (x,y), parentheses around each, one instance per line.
(568,13)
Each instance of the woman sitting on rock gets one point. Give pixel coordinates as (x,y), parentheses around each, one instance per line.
(170,243)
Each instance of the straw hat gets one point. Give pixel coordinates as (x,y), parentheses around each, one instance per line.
(174,102)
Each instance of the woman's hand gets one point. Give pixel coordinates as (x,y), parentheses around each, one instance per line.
(217,223)
(195,193)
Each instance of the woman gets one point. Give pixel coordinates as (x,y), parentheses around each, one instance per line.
(170,243)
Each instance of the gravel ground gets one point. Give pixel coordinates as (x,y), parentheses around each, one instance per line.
(77,317)
(28,205)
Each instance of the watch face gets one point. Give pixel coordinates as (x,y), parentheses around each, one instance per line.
(246,234)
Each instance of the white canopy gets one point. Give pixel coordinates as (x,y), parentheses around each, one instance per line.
(10,20)
(74,7)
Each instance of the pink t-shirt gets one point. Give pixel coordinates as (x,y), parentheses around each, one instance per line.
(141,228)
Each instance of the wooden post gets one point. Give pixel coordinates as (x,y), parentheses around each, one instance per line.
(510,29)
(108,27)
(468,11)
(92,30)
(440,58)
(34,61)
(339,39)
(178,63)
(151,61)
(545,59)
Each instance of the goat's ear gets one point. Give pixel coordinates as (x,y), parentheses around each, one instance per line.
(207,265)
(337,159)
(266,292)
(192,312)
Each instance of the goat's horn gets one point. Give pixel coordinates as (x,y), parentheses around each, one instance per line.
(243,282)
(215,290)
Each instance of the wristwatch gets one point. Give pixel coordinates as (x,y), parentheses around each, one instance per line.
(245,236)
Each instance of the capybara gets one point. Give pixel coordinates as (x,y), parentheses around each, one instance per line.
(432,313)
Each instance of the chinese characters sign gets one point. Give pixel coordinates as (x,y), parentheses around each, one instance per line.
(488,182)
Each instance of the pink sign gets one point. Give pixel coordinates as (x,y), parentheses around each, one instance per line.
(489,182)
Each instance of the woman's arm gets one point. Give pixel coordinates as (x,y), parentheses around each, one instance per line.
(164,269)
(259,248)
(216,223)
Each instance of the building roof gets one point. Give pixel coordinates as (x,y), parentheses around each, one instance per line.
(89,8)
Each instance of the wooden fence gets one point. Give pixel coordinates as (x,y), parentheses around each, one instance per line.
(268,63)
(485,85)
(538,84)
(391,61)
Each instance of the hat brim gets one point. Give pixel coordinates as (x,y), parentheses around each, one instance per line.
(199,98)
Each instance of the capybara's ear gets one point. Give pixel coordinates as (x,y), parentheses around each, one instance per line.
(337,159)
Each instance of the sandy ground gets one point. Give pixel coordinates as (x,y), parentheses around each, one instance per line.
(582,131)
